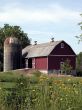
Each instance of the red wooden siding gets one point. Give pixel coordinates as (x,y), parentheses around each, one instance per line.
(41,63)
(54,61)
(67,50)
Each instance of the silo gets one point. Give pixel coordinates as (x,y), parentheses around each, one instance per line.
(12,54)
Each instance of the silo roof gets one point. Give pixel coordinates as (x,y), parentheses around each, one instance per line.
(11,40)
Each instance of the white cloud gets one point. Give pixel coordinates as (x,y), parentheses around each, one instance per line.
(55,14)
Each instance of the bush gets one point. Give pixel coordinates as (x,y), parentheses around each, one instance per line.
(79,72)
(37,73)
(15,98)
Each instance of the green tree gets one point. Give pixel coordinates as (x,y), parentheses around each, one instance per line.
(79,64)
(80,36)
(66,67)
(14,31)
(79,61)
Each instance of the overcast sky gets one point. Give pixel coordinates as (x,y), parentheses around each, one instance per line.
(43,19)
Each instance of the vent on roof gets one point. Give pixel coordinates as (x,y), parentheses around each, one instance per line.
(52,39)
(35,42)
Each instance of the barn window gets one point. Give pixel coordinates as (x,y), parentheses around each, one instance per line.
(62,45)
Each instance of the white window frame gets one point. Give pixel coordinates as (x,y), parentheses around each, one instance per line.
(62,45)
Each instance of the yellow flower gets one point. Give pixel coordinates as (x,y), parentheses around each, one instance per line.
(61,99)
(33,90)
(69,79)
(50,87)
(76,92)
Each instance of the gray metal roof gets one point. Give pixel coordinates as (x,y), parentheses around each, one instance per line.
(39,50)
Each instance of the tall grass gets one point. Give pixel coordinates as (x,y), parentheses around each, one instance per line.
(42,93)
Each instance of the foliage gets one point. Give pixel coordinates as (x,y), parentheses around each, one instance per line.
(14,31)
(48,93)
(79,61)
(37,73)
(79,64)
(66,67)
(80,36)
(15,99)
(79,72)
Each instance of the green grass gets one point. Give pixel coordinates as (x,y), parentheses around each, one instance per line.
(8,77)
(40,92)
(6,85)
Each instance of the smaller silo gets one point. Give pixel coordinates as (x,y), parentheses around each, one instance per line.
(12,54)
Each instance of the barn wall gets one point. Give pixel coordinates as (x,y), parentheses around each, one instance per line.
(54,62)
(67,50)
(41,63)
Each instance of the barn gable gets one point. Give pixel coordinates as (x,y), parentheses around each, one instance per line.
(63,49)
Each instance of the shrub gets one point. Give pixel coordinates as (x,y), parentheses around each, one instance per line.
(37,73)
(15,98)
(79,72)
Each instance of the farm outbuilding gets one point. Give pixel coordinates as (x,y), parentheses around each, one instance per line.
(12,54)
(45,57)
(48,57)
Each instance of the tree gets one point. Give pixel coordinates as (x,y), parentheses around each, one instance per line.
(79,64)
(79,61)
(66,67)
(79,56)
(14,31)
(80,36)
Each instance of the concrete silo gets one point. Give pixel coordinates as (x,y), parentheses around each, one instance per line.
(12,54)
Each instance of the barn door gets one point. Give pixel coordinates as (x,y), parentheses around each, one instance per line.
(30,63)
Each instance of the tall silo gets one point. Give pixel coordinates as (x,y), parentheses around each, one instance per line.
(12,54)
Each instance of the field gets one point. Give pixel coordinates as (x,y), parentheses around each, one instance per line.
(40,92)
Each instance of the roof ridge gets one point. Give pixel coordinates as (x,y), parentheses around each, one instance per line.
(50,42)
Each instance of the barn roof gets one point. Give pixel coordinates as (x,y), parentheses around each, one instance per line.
(39,50)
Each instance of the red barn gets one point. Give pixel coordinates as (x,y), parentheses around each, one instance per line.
(48,57)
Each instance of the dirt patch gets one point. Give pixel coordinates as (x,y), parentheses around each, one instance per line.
(26,71)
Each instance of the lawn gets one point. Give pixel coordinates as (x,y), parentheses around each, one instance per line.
(40,92)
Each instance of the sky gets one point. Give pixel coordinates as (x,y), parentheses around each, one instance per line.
(44,19)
